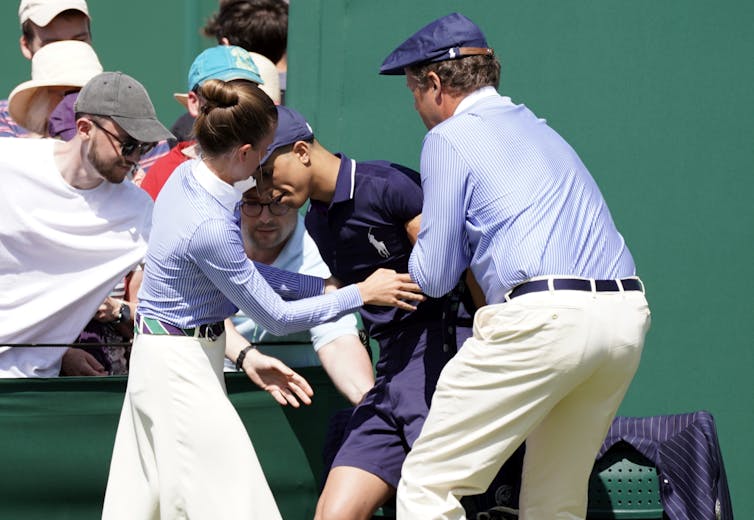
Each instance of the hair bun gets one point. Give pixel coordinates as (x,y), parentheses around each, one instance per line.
(217,94)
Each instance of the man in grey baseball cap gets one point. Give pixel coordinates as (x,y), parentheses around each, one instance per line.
(124,100)
(96,233)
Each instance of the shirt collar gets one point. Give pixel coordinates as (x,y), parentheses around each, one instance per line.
(292,248)
(223,192)
(475,96)
(345,184)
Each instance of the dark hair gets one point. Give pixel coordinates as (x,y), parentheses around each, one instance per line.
(27,28)
(233,113)
(259,26)
(460,76)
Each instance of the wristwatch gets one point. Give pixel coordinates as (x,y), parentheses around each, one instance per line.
(125,313)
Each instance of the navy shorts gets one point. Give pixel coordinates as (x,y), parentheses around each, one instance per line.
(383,427)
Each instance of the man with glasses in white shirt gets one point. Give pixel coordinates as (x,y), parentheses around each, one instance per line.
(275,234)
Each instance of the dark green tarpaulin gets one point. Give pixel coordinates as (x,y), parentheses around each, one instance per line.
(56,438)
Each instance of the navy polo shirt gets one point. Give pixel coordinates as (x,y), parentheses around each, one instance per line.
(363,229)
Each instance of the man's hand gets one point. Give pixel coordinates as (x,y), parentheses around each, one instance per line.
(274,376)
(108,311)
(388,288)
(79,362)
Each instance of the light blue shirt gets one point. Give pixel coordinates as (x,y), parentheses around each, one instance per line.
(507,196)
(300,255)
(197,272)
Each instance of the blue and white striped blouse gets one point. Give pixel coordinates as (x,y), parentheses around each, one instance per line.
(197,272)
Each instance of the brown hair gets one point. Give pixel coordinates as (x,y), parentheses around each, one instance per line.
(233,113)
(461,76)
(256,25)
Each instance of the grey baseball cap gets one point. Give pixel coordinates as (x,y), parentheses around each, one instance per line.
(123,99)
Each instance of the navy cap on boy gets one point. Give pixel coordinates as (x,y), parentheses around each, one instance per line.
(292,127)
(450,37)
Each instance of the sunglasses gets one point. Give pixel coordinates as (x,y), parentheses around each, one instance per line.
(128,145)
(253,208)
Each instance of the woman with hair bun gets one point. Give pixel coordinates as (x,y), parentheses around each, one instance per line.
(181,451)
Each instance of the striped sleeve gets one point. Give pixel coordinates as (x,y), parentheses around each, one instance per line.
(156,153)
(242,283)
(440,254)
(291,286)
(8,127)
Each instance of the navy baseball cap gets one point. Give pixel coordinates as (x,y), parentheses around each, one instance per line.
(292,127)
(448,38)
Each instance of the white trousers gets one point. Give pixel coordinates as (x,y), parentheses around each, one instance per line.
(550,368)
(181,451)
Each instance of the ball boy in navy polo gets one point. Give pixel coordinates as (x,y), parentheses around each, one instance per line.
(365,215)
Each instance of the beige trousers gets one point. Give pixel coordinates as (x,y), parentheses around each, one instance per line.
(550,368)
(181,451)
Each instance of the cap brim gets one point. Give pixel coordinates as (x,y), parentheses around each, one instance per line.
(275,146)
(43,17)
(396,71)
(269,154)
(146,130)
(182,99)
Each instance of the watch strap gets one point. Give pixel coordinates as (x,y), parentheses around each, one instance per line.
(242,356)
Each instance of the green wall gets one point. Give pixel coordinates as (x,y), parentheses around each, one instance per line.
(656,98)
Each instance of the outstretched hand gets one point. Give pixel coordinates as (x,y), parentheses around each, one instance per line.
(388,288)
(79,362)
(275,377)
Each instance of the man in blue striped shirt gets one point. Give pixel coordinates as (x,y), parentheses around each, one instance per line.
(560,338)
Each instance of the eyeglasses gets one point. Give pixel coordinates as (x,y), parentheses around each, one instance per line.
(129,145)
(253,208)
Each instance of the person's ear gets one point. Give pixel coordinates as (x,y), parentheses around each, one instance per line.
(244,150)
(435,85)
(25,49)
(84,128)
(193,104)
(302,150)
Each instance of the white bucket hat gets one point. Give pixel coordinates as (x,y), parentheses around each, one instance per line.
(68,63)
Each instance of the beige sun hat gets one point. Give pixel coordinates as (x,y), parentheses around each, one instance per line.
(68,63)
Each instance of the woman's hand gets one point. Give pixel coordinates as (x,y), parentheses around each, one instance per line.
(390,289)
(275,377)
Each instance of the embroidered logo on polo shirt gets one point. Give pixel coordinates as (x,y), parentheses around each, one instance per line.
(379,245)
